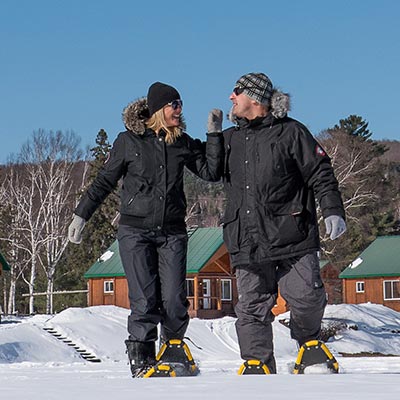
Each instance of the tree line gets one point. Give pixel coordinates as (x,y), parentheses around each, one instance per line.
(40,187)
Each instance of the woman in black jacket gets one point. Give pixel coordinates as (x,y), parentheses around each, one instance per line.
(150,157)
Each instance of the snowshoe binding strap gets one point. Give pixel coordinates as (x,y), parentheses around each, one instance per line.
(176,354)
(193,343)
(160,371)
(312,353)
(141,372)
(253,367)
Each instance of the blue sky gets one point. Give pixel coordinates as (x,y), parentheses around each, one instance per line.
(74,65)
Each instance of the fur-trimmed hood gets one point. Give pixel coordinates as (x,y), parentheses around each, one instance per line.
(280,106)
(135,114)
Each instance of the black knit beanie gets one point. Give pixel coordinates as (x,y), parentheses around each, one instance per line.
(159,95)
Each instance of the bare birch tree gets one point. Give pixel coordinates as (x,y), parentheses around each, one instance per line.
(28,228)
(55,157)
(355,165)
(353,168)
(40,192)
(12,220)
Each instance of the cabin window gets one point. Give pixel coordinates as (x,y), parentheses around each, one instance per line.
(108,286)
(226,289)
(391,290)
(190,287)
(360,287)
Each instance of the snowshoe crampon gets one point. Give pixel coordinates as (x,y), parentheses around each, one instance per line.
(160,371)
(312,353)
(253,367)
(173,359)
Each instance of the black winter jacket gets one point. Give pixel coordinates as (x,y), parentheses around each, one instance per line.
(152,195)
(273,167)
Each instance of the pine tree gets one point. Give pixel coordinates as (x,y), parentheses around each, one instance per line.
(357,127)
(97,236)
(99,153)
(354,125)
(100,232)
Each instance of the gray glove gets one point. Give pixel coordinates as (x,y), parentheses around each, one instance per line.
(214,123)
(75,229)
(335,226)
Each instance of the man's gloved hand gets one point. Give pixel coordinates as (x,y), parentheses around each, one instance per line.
(214,123)
(335,226)
(75,229)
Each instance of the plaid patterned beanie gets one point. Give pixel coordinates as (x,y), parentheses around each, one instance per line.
(257,86)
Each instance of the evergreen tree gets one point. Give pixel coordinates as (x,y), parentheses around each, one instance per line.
(99,153)
(97,235)
(357,127)
(354,125)
(100,232)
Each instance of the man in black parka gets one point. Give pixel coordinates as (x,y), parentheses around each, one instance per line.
(273,170)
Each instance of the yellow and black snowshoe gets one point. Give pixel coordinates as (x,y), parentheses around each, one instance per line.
(253,367)
(173,359)
(312,353)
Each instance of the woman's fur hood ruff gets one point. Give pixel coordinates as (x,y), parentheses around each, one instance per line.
(279,105)
(135,115)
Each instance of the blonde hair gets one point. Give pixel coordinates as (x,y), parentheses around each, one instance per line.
(157,122)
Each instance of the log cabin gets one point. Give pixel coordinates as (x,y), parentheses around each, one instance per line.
(210,283)
(374,276)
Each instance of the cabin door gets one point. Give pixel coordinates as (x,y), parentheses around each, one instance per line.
(206,294)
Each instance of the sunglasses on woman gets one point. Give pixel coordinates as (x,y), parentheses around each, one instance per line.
(176,104)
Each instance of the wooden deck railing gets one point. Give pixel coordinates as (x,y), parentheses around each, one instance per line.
(205,303)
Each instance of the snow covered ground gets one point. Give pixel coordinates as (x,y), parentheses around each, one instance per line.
(35,365)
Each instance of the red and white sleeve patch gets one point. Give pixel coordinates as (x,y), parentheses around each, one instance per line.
(319,151)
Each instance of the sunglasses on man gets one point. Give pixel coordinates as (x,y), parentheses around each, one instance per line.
(237,91)
(176,104)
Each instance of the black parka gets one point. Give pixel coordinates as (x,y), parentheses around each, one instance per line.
(273,168)
(152,195)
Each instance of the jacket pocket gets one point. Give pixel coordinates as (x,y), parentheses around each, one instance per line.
(137,204)
(231,229)
(285,224)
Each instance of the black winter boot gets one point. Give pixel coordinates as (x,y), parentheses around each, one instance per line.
(142,356)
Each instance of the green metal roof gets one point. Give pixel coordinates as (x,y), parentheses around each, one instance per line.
(203,243)
(4,263)
(322,263)
(108,265)
(380,258)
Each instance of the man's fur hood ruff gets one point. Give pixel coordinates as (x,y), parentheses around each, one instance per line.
(279,105)
(135,115)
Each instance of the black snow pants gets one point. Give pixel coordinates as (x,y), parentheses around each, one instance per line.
(300,285)
(155,267)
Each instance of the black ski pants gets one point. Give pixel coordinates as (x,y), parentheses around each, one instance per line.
(155,267)
(300,284)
